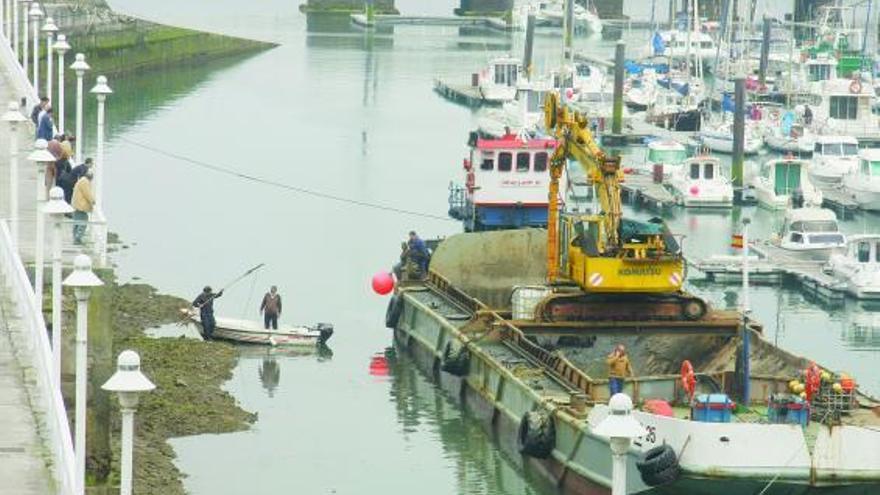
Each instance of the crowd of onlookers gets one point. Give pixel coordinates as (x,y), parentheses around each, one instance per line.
(75,179)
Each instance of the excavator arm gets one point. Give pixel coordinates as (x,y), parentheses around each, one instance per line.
(575,142)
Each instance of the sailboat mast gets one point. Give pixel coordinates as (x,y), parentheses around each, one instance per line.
(568,36)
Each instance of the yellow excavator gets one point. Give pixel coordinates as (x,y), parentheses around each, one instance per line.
(602,266)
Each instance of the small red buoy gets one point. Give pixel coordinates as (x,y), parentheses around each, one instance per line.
(695,190)
(379,366)
(383,283)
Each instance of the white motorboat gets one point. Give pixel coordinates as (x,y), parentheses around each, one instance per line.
(811,233)
(783,183)
(786,136)
(845,108)
(497,82)
(552,13)
(675,45)
(833,157)
(863,183)
(252,332)
(699,182)
(719,137)
(665,156)
(858,267)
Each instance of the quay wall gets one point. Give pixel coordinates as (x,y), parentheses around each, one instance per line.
(319,6)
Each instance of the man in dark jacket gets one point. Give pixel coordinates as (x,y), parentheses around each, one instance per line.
(38,109)
(205,304)
(46,126)
(418,252)
(68,181)
(271,308)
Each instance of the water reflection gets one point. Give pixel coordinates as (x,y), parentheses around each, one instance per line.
(270,374)
(337,32)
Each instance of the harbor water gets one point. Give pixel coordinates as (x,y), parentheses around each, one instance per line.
(316,158)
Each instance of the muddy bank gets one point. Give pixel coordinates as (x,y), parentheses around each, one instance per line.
(188,399)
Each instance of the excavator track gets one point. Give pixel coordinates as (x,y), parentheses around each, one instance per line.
(582,306)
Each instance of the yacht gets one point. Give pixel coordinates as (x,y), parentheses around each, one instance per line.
(811,233)
(833,157)
(863,183)
(675,45)
(498,81)
(719,137)
(858,266)
(551,13)
(700,183)
(784,183)
(844,107)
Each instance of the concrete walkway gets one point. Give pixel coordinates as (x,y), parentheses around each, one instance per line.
(23,452)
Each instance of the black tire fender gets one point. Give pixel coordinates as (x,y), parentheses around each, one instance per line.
(537,435)
(456,359)
(392,314)
(659,466)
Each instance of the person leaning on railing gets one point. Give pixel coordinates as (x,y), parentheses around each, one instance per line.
(83,204)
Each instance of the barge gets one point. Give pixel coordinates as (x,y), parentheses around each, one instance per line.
(542,387)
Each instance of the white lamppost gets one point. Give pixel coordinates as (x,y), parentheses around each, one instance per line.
(61,46)
(50,29)
(36,14)
(621,428)
(128,382)
(82,279)
(80,67)
(56,208)
(41,157)
(13,117)
(101,90)
(15,28)
(24,34)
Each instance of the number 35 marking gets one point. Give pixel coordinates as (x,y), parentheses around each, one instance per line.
(652,434)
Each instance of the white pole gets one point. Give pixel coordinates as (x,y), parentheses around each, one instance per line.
(61,92)
(99,154)
(25,46)
(82,345)
(36,77)
(127,448)
(746,305)
(619,447)
(80,142)
(13,182)
(39,243)
(15,28)
(56,297)
(49,40)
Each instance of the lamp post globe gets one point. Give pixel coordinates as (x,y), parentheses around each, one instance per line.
(621,428)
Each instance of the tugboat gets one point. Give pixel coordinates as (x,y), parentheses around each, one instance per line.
(506,182)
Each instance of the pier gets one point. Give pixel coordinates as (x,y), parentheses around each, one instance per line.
(641,190)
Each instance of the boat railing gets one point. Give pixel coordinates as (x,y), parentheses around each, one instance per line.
(33,348)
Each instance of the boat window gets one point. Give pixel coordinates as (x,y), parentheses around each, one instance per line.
(818,148)
(843,107)
(487,164)
(512,73)
(826,239)
(788,177)
(584,70)
(540,162)
(849,149)
(522,161)
(535,100)
(505,160)
(864,170)
(666,156)
(499,74)
(705,44)
(819,72)
(864,252)
(708,171)
(797,237)
(877,253)
(815,226)
(695,170)
(875,169)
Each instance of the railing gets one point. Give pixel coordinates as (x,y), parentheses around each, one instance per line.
(22,87)
(37,350)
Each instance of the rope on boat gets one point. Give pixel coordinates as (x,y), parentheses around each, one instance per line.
(288,187)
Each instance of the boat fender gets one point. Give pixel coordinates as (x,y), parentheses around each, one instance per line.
(659,466)
(537,434)
(456,359)
(392,314)
(855,86)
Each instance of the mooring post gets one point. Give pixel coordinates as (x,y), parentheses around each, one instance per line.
(568,40)
(746,334)
(370,11)
(739,126)
(617,115)
(765,51)
(530,45)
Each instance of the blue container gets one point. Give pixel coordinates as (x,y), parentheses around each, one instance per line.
(712,408)
(792,410)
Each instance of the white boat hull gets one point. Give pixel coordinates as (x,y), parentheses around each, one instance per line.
(251,332)
(724,144)
(867,199)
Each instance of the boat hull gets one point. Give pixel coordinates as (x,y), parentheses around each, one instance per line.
(247,332)
(724,144)
(868,200)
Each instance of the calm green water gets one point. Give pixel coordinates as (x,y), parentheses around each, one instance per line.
(351,114)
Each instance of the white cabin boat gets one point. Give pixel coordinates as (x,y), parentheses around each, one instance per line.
(833,157)
(845,107)
(858,267)
(699,182)
(552,13)
(498,81)
(782,180)
(811,233)
(719,137)
(863,183)
(252,332)
(675,45)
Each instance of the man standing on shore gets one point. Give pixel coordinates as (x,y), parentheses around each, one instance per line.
(205,304)
(271,308)
(83,202)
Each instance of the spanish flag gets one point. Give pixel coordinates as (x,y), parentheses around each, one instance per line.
(737,241)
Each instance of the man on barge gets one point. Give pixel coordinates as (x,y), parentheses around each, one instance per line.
(619,368)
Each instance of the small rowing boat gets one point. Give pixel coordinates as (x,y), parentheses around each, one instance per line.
(251,332)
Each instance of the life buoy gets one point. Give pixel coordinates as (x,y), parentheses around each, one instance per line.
(855,86)
(774,114)
(688,378)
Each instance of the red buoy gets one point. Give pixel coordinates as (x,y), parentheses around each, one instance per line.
(383,283)
(695,190)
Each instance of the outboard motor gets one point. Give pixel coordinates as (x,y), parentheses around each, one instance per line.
(326,330)
(797,198)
